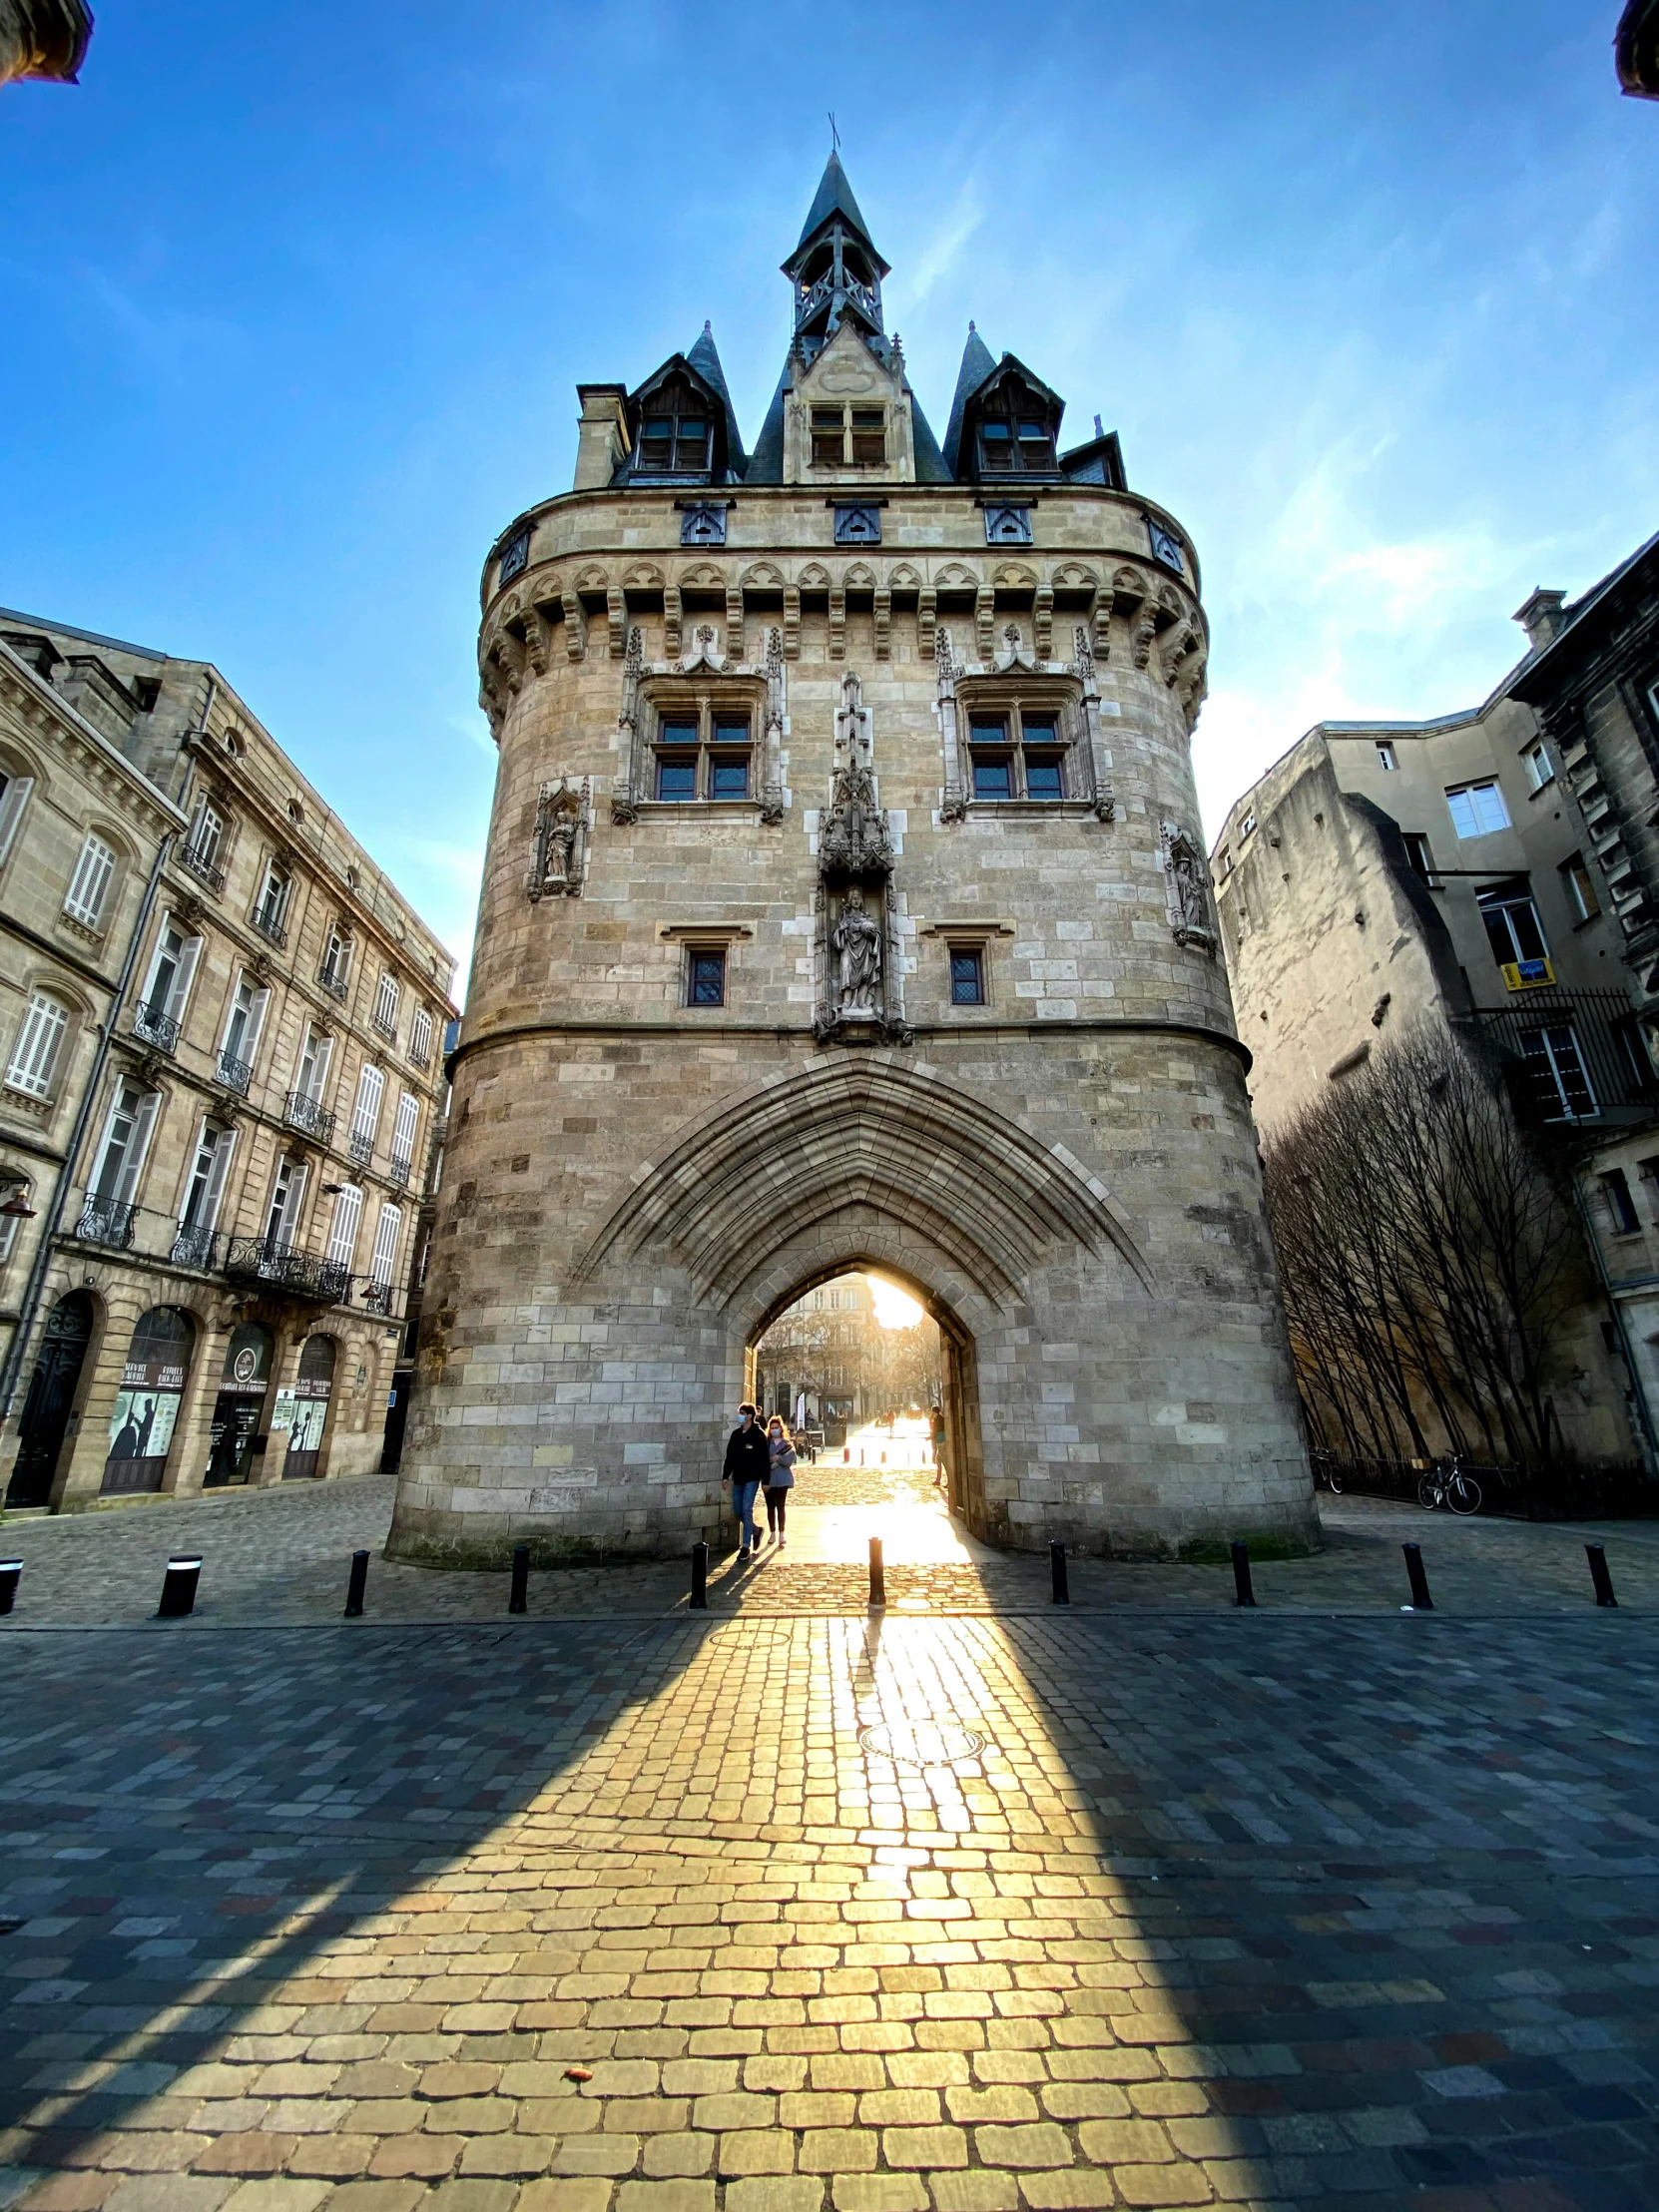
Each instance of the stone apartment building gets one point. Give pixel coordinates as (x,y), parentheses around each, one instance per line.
(1495,870)
(222,1030)
(845,906)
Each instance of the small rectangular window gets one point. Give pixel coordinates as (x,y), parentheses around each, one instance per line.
(1386,756)
(967,977)
(994,776)
(1621,1206)
(706,979)
(677,776)
(828,445)
(729,776)
(731,729)
(996,444)
(1421,858)
(1042,776)
(676,730)
(1580,888)
(1512,927)
(870,442)
(1477,810)
(1539,769)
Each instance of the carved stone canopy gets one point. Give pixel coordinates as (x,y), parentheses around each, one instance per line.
(854,841)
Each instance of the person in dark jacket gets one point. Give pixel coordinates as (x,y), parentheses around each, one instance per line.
(748,1460)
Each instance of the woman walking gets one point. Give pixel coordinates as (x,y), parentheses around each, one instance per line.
(780,1476)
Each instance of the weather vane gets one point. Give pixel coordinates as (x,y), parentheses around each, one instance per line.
(834,134)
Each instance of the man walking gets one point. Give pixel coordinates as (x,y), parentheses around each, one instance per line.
(747,1460)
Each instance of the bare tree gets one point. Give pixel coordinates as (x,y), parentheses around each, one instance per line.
(1429,1250)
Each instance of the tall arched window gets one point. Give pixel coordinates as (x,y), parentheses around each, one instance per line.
(34,1060)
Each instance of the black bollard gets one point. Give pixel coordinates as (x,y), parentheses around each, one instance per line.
(877,1574)
(178,1590)
(10,1573)
(1593,1553)
(1057,1563)
(700,1578)
(355,1587)
(519,1603)
(1242,1594)
(1422,1602)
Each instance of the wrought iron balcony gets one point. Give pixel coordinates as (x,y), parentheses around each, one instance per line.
(333,982)
(202,868)
(195,1247)
(270,925)
(398,1168)
(107,1222)
(360,1145)
(235,1074)
(417,1058)
(155,1027)
(1572,1057)
(303,1112)
(299,1274)
(385,1024)
(377,1298)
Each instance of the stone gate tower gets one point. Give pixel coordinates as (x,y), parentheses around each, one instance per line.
(846,906)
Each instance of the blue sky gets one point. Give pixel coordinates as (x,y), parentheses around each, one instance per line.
(296,298)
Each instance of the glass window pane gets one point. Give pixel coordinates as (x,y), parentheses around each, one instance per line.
(731,729)
(1042,777)
(678,732)
(1489,809)
(1462,813)
(967,979)
(992,778)
(1041,729)
(988,730)
(659,427)
(994,431)
(675,778)
(707,980)
(729,778)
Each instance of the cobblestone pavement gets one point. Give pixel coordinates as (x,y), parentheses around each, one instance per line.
(282,1556)
(837,1915)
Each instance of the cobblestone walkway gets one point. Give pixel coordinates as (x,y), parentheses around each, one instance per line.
(786,1914)
(282,1556)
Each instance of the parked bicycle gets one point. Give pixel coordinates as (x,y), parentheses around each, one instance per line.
(1447,1484)
(1326,1471)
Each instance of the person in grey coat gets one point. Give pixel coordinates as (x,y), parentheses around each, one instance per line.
(780,1477)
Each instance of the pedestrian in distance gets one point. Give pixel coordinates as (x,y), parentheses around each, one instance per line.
(780,1477)
(747,1465)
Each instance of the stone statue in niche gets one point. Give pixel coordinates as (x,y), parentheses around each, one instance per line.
(857,943)
(559,859)
(1187,878)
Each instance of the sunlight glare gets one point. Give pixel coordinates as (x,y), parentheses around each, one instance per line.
(894,1308)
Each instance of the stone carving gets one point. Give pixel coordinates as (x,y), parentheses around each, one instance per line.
(624,790)
(559,858)
(853,839)
(857,943)
(1142,633)
(1099,761)
(771,785)
(1187,880)
(954,802)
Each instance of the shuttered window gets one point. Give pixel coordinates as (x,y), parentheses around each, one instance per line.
(420,1037)
(342,1236)
(132,1116)
(35,1055)
(14,797)
(385,1243)
(365,1115)
(84,900)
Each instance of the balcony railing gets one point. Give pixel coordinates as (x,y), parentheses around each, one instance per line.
(270,925)
(235,1074)
(397,1167)
(333,982)
(1572,1057)
(377,1298)
(202,868)
(195,1247)
(303,1112)
(360,1145)
(386,1024)
(155,1027)
(417,1058)
(106,1221)
(299,1274)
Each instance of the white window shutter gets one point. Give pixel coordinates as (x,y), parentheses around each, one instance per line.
(184,975)
(85,898)
(403,1133)
(343,1236)
(255,1023)
(36,1050)
(144,1121)
(366,1118)
(13,799)
(385,1243)
(215,1179)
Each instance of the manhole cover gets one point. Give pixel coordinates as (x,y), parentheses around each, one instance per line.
(921,1743)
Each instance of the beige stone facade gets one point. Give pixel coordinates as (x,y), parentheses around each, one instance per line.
(1493,872)
(844,907)
(197,965)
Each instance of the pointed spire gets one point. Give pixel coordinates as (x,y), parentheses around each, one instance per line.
(705,359)
(977,364)
(833,197)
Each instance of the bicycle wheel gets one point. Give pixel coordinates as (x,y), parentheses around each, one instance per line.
(1429,1492)
(1462,1494)
(1334,1483)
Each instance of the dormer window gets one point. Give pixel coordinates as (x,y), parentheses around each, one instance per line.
(850,437)
(675,432)
(1012,440)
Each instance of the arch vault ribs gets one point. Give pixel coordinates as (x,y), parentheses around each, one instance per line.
(867,1132)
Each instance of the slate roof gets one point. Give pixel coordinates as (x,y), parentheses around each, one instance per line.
(977,364)
(767,463)
(704,362)
(834,197)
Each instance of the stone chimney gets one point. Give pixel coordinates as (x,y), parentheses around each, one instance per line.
(1541,616)
(602,436)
